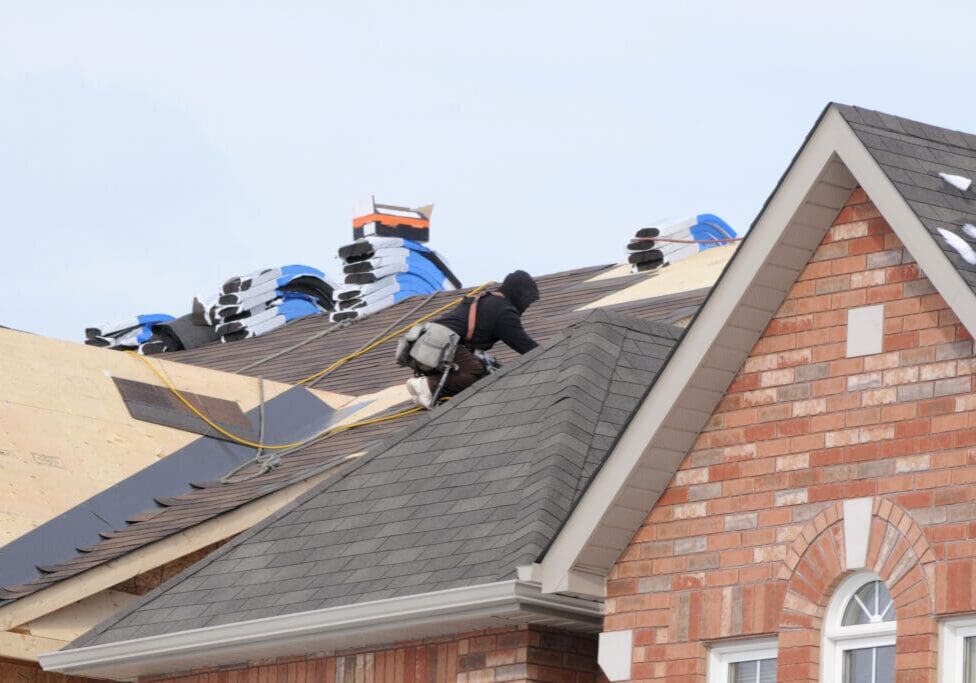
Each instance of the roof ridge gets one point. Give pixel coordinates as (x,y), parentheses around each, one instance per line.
(920,130)
(630,322)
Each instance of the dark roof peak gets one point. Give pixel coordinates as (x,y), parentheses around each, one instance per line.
(916,157)
(891,123)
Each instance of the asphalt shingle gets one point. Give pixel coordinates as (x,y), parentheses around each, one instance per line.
(478,488)
(912,154)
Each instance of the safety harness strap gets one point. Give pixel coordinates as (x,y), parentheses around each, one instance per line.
(473,314)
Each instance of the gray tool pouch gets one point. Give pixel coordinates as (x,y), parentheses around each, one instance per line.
(426,347)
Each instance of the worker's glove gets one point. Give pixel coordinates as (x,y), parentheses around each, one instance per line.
(491,363)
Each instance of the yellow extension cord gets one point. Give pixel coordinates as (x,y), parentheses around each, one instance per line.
(391,335)
(329,432)
(273,447)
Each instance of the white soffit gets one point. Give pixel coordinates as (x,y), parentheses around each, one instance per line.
(831,163)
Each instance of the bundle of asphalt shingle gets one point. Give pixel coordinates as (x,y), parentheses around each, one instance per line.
(381,271)
(259,302)
(246,306)
(673,240)
(126,335)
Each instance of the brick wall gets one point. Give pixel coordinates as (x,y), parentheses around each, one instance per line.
(12,671)
(513,654)
(748,538)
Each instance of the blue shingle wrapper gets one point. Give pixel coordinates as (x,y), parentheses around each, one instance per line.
(127,333)
(382,271)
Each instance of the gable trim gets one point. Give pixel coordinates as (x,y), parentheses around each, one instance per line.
(830,164)
(357,625)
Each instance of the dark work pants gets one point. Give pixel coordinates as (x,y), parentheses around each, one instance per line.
(469,370)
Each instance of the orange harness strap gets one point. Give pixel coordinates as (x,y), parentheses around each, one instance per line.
(473,313)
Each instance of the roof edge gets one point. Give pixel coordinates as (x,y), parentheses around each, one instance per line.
(830,163)
(373,622)
(321,484)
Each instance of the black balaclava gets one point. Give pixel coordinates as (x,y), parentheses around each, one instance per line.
(520,289)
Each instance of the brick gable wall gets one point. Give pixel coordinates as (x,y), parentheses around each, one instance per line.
(748,538)
(518,654)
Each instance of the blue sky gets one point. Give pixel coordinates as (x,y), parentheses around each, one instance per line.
(150,151)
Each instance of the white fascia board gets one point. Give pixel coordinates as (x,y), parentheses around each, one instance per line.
(832,136)
(374,621)
(730,290)
(581,584)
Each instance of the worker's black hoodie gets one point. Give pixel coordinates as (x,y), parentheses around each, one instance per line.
(499,318)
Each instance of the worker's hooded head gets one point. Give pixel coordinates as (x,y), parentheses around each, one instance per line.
(520,289)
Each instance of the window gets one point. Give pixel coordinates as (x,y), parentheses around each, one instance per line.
(752,661)
(859,633)
(959,650)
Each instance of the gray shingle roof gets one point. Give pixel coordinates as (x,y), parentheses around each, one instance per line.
(110,538)
(912,155)
(466,495)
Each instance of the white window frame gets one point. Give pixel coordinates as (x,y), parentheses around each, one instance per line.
(721,656)
(838,639)
(952,638)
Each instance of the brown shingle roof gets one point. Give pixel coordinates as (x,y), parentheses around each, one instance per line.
(561,293)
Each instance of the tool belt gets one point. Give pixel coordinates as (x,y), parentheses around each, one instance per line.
(426,348)
(429,347)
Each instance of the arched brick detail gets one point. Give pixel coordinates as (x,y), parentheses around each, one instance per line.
(815,564)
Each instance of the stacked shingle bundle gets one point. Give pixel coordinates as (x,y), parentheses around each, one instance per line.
(254,304)
(387,262)
(246,306)
(127,334)
(671,241)
(381,271)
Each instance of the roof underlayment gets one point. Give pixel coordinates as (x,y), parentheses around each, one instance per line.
(293,414)
(65,433)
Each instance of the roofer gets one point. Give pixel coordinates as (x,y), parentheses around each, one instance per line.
(450,353)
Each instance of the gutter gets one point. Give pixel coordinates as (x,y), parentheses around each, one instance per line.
(348,626)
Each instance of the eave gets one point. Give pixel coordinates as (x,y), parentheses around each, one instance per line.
(426,615)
